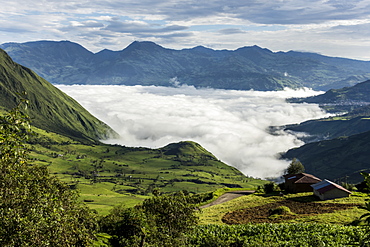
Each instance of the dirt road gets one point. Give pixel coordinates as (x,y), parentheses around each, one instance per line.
(229,196)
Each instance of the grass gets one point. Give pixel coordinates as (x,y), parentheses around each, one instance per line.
(214,214)
(107,175)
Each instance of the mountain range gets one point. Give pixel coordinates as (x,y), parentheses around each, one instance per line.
(146,63)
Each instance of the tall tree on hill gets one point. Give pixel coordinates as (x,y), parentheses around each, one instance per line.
(295,167)
(35,208)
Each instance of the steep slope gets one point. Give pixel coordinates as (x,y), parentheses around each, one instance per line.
(354,122)
(146,63)
(339,144)
(49,108)
(340,158)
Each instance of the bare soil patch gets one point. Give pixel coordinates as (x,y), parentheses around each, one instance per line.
(261,214)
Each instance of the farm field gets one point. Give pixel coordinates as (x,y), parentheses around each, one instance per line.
(256,208)
(247,221)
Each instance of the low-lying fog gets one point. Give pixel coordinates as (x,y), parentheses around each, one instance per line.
(230,124)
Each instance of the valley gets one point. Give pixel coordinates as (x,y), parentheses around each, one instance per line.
(111,181)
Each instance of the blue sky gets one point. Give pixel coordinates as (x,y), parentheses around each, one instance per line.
(330,27)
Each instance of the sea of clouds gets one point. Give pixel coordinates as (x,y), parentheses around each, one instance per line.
(233,125)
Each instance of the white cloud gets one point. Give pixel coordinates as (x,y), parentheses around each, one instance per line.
(112,24)
(230,124)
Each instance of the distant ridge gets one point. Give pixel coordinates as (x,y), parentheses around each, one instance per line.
(147,63)
(49,108)
(339,145)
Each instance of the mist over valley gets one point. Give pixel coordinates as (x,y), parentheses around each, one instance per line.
(231,124)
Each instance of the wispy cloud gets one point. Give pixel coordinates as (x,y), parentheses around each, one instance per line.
(231,124)
(319,25)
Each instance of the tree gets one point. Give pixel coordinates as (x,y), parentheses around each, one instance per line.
(173,214)
(127,226)
(160,221)
(295,167)
(35,208)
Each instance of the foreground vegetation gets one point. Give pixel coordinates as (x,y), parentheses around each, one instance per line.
(298,234)
(38,209)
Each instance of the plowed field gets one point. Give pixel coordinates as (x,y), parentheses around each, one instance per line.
(261,214)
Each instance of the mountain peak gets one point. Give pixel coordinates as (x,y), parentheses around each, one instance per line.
(144,45)
(253,48)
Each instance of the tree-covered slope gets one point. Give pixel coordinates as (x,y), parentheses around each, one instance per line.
(49,108)
(337,146)
(146,63)
(340,158)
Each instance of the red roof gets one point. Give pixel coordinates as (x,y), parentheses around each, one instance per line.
(327,185)
(302,178)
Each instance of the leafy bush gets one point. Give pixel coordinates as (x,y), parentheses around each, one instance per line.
(35,208)
(269,188)
(282,210)
(160,221)
(299,234)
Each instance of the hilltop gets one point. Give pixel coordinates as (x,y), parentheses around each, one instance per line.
(147,63)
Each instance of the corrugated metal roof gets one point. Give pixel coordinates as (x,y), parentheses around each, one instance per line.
(326,185)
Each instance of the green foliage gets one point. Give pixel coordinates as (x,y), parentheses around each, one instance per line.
(49,108)
(299,234)
(269,187)
(36,209)
(129,175)
(281,210)
(295,167)
(366,216)
(127,226)
(348,186)
(160,221)
(173,214)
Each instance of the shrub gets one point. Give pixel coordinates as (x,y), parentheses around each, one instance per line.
(270,187)
(281,210)
(160,221)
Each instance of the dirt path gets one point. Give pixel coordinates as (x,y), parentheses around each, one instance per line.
(228,196)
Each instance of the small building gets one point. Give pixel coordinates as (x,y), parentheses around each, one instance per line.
(326,190)
(301,182)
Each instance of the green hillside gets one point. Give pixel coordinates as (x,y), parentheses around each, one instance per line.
(108,175)
(66,141)
(49,108)
(340,158)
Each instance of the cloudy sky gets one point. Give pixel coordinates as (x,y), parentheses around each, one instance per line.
(330,27)
(230,124)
